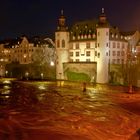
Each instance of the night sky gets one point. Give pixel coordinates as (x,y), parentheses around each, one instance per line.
(40,17)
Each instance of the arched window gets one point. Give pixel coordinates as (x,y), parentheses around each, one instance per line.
(63,43)
(58,44)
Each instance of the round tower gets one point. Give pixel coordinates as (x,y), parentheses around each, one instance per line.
(62,46)
(102,49)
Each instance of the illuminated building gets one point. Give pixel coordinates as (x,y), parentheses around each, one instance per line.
(24,50)
(91,41)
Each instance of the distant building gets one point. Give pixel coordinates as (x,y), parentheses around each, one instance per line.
(25,50)
(92,41)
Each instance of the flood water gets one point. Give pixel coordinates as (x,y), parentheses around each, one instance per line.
(45,110)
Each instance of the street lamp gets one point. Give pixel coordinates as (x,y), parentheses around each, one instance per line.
(132,57)
(6,73)
(52,63)
(42,75)
(27,75)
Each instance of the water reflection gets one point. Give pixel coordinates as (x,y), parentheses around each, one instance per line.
(5,92)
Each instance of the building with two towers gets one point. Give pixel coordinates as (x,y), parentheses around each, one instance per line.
(88,49)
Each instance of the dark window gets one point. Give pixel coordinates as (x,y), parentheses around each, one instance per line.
(87,53)
(58,44)
(77,53)
(63,43)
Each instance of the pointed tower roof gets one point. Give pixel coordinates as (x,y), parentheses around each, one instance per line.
(62,22)
(103,19)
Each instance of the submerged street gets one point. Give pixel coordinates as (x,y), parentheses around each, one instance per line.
(62,111)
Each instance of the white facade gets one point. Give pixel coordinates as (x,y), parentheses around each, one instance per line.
(62,46)
(86,42)
(103,54)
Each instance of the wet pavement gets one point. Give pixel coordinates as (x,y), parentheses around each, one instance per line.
(48,111)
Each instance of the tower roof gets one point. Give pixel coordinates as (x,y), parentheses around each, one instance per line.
(103,19)
(62,22)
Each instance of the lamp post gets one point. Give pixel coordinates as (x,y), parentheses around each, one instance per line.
(27,75)
(132,59)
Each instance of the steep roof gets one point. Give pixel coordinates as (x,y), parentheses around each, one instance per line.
(81,30)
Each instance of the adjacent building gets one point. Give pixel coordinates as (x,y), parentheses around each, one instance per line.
(24,50)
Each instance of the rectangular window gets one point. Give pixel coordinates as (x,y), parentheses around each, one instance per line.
(77,53)
(77,46)
(114,53)
(87,53)
(122,45)
(71,60)
(122,61)
(88,45)
(107,44)
(122,53)
(87,60)
(118,53)
(118,61)
(106,33)
(95,45)
(118,45)
(95,53)
(114,45)
(77,60)
(71,53)
(98,55)
(71,46)
(114,61)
